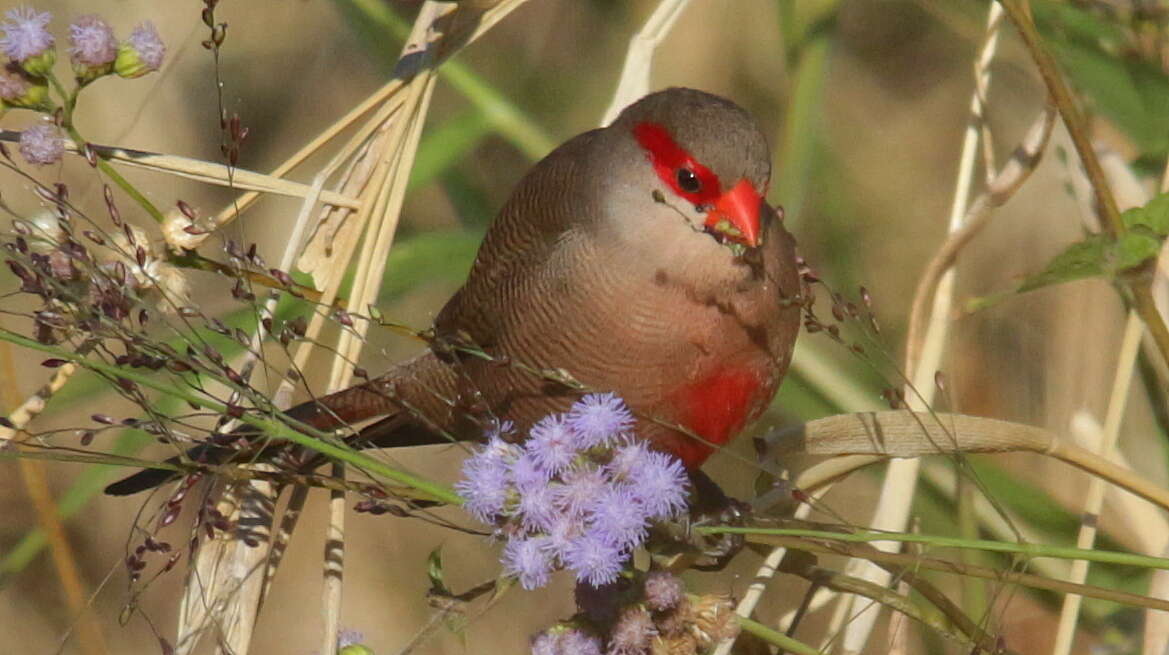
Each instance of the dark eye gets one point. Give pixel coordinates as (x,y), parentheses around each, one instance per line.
(688,181)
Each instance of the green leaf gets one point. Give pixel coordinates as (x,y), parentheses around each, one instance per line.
(434,571)
(1131,92)
(1075,23)
(1133,249)
(1096,255)
(1080,260)
(1154,216)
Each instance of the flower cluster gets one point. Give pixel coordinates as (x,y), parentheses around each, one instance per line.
(580,493)
(650,613)
(94,52)
(42,144)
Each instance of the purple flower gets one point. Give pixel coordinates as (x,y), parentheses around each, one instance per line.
(92,43)
(486,480)
(629,458)
(349,638)
(42,144)
(559,641)
(577,642)
(500,430)
(663,590)
(580,490)
(13,83)
(529,560)
(19,89)
(617,517)
(595,560)
(599,418)
(632,633)
(141,53)
(25,35)
(661,485)
(528,473)
(537,507)
(564,530)
(553,443)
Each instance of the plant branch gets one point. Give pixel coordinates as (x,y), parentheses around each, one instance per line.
(1138,282)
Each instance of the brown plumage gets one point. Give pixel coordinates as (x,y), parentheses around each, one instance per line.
(613,264)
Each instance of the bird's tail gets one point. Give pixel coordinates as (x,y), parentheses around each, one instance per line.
(413,398)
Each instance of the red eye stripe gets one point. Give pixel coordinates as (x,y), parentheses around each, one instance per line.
(667,157)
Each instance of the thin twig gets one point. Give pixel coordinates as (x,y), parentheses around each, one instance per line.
(900,482)
(917,562)
(1004,185)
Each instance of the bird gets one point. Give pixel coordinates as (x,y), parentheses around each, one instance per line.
(641,259)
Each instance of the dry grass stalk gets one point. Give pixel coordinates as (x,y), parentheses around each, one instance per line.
(1102,441)
(200,171)
(635,74)
(1156,634)
(855,440)
(221,595)
(376,164)
(900,483)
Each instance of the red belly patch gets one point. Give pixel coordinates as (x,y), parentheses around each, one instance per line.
(716,408)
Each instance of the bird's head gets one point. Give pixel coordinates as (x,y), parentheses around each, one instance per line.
(695,160)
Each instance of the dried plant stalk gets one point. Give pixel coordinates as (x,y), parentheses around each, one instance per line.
(874,436)
(635,74)
(900,481)
(232,604)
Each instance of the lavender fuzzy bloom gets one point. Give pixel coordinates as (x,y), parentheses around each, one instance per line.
(348,637)
(537,507)
(580,490)
(632,633)
(527,473)
(595,560)
(630,457)
(661,486)
(13,84)
(562,533)
(553,443)
(26,39)
(599,418)
(576,642)
(529,560)
(42,144)
(565,642)
(19,89)
(663,590)
(486,482)
(618,518)
(141,53)
(93,47)
(558,506)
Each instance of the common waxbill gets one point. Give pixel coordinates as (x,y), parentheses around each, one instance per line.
(639,258)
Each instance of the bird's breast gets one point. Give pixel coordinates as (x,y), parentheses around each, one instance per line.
(716,406)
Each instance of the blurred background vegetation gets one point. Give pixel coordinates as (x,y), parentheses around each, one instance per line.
(865,103)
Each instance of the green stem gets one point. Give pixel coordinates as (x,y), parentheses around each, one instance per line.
(776,638)
(303,435)
(1028,550)
(70,104)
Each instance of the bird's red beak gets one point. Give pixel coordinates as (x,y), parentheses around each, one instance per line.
(736,215)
